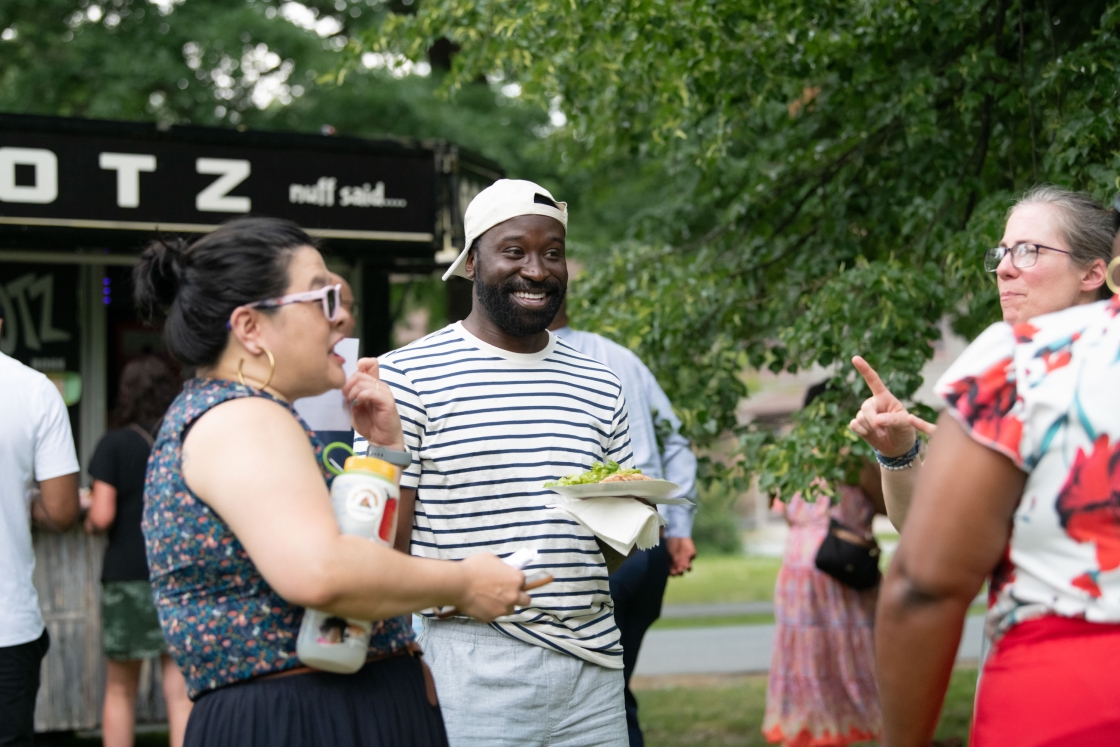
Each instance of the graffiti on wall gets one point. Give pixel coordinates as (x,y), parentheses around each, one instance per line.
(39,304)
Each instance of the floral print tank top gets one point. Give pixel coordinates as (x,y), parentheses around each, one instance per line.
(222,622)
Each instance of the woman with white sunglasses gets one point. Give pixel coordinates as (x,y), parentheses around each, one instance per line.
(1055,249)
(238,523)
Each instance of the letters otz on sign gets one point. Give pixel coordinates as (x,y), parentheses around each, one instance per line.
(183,181)
(40,185)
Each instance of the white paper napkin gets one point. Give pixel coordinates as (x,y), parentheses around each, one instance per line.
(329,411)
(620,522)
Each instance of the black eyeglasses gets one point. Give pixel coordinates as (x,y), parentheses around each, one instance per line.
(1116,212)
(1022,255)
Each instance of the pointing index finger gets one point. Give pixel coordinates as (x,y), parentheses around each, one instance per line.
(869,375)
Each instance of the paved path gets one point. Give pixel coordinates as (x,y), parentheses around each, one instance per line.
(733,649)
(724,609)
(733,609)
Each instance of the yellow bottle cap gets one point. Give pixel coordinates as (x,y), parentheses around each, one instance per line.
(369,464)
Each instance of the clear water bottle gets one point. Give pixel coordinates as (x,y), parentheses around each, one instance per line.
(365,495)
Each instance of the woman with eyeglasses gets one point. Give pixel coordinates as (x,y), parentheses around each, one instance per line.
(1022,486)
(1054,253)
(238,523)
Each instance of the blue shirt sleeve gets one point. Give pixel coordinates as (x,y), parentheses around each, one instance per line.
(677,459)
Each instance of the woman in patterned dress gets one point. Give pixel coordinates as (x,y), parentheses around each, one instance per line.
(1029,446)
(238,523)
(821,691)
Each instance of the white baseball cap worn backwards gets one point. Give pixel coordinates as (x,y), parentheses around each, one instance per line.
(502,200)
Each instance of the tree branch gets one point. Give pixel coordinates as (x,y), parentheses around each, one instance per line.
(1027,95)
(980,153)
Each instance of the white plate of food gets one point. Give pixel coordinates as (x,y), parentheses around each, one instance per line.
(611,481)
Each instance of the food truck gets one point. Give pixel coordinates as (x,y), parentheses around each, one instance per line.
(79,199)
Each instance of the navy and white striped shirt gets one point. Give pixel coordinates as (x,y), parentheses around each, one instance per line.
(487,428)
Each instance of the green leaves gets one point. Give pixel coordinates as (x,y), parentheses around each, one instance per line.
(818,179)
(769,185)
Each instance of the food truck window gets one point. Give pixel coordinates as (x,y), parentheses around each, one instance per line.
(128,336)
(41,324)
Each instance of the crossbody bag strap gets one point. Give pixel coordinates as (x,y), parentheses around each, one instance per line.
(143,432)
(848,534)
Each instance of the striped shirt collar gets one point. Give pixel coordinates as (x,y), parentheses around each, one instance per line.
(507,354)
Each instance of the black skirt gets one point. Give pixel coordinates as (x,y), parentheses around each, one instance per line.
(385,704)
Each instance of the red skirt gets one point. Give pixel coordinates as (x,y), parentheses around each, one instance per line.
(1051,681)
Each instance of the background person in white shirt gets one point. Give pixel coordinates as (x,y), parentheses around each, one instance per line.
(36,446)
(492,409)
(638,586)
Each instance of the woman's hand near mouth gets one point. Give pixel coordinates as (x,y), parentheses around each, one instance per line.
(373,411)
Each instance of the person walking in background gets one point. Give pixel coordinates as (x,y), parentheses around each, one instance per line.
(36,445)
(638,586)
(821,691)
(130,630)
(1055,248)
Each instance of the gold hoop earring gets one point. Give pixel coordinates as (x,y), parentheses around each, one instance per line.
(1108,275)
(271,370)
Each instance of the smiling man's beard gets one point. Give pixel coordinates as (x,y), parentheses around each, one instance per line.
(511,318)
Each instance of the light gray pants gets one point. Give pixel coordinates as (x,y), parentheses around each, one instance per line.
(496,691)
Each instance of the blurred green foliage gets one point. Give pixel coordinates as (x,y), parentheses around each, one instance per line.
(245,63)
(715,528)
(419,293)
(815,178)
(753,184)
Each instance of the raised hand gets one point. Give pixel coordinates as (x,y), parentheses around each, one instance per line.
(924,426)
(373,410)
(882,421)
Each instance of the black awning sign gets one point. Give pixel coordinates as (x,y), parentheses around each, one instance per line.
(76,180)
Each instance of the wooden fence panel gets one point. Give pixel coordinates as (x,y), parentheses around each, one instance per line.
(67,577)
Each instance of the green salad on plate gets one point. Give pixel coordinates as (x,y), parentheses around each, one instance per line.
(598,473)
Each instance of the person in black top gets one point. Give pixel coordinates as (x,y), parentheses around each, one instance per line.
(130,630)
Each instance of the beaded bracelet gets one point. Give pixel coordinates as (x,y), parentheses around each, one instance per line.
(900,462)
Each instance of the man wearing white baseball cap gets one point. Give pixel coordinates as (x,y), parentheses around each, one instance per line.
(493,407)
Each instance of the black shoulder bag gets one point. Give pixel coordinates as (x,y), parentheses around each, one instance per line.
(849,557)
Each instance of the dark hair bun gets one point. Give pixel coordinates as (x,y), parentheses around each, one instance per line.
(195,285)
(158,276)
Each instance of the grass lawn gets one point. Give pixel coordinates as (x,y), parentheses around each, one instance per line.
(709,711)
(725,578)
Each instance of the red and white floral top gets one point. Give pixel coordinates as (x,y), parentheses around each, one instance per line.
(1046,393)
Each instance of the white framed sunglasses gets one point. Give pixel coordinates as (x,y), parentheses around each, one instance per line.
(329,295)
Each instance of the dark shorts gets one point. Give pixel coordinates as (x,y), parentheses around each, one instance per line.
(129,623)
(384,704)
(19,685)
